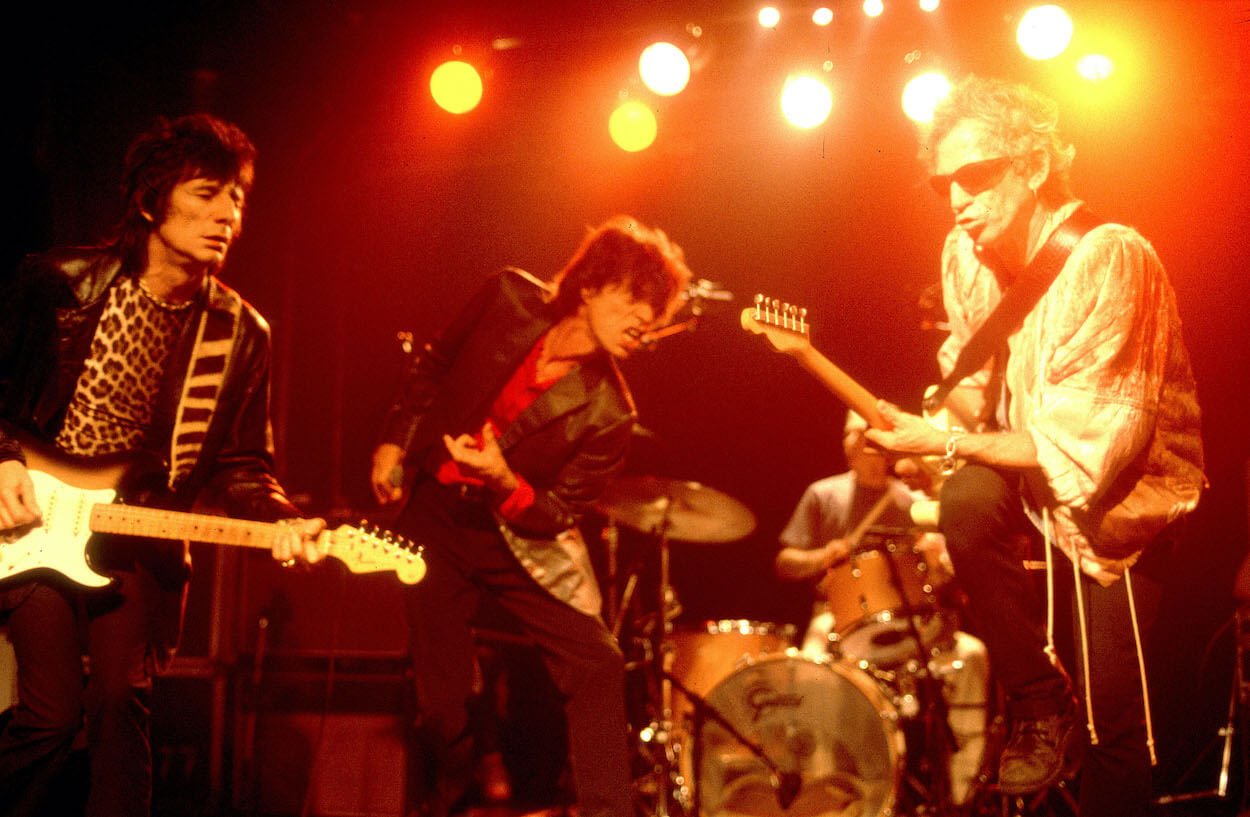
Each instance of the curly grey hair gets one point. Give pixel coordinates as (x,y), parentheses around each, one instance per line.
(1020,120)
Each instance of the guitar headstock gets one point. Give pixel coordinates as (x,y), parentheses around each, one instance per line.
(368,549)
(785,325)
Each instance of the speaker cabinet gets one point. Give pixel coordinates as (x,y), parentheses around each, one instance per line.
(323,736)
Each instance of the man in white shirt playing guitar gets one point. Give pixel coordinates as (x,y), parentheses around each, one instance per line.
(1096,450)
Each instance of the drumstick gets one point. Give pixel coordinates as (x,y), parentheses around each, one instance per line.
(852,539)
(870,518)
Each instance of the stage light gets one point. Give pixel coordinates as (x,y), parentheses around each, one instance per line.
(922,94)
(874,8)
(930,5)
(1044,32)
(822,16)
(664,68)
(769,17)
(1095,67)
(806,101)
(632,126)
(456,86)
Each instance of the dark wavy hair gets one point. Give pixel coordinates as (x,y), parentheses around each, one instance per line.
(1020,120)
(624,251)
(165,155)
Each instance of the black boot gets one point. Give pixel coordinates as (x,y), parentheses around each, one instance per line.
(1040,750)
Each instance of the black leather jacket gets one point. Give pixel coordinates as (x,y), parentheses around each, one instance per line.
(567,444)
(48,317)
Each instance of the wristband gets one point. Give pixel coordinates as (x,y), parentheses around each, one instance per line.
(951,455)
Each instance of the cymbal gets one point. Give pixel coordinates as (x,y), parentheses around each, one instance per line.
(687,511)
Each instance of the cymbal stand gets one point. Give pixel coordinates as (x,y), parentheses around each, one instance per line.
(659,734)
(662,656)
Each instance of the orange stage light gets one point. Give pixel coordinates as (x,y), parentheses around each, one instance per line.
(1095,67)
(664,68)
(632,126)
(922,93)
(456,86)
(1044,32)
(806,101)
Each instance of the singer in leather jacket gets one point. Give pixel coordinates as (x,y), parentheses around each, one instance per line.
(511,423)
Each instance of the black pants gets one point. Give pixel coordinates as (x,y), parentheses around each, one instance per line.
(467,559)
(985,529)
(46,629)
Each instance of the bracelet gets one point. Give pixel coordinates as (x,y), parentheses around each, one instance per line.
(952,451)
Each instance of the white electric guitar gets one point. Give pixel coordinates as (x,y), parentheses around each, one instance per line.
(78,500)
(788,331)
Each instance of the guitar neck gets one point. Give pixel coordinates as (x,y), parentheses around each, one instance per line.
(155,523)
(841,384)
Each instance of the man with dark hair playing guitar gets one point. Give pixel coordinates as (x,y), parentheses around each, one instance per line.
(130,347)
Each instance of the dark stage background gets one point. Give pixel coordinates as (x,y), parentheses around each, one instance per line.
(376,213)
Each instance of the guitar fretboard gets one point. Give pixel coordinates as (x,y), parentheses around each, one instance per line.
(156,523)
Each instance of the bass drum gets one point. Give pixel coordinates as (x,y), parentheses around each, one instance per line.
(827,723)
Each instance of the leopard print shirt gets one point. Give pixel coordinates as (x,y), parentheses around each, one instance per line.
(116,393)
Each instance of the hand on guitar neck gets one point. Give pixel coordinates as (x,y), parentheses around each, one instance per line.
(914,439)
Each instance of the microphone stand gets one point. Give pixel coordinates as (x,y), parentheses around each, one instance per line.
(697,294)
(938,738)
(787,784)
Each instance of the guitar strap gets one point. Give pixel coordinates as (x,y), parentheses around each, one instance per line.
(1016,303)
(206,373)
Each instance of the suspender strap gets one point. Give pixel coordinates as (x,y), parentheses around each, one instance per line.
(1016,302)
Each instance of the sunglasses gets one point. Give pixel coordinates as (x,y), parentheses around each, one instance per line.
(973,177)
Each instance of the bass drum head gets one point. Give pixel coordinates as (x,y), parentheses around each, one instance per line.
(826,722)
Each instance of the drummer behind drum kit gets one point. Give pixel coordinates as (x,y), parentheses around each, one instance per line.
(738,722)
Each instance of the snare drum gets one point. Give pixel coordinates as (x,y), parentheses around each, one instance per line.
(826,722)
(868,594)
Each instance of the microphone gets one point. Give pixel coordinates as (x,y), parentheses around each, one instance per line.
(698,293)
(705,290)
(787,785)
(642,432)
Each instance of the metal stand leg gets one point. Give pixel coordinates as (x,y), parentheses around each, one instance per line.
(1241,635)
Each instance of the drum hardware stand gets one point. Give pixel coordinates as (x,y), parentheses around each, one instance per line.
(1240,691)
(664,509)
(660,732)
(786,784)
(661,656)
(938,739)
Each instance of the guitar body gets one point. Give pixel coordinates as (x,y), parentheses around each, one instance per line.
(59,544)
(67,489)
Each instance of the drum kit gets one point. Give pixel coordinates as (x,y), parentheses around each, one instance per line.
(735,720)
